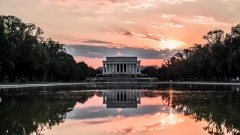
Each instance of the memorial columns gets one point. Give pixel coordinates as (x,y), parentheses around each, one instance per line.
(111,67)
(136,67)
(103,68)
(139,68)
(106,67)
(131,67)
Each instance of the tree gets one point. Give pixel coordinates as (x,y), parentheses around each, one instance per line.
(25,53)
(6,51)
(84,68)
(151,71)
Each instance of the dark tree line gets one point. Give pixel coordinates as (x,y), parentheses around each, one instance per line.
(26,55)
(218,59)
(150,71)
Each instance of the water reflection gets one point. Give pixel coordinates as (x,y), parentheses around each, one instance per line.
(131,109)
(121,98)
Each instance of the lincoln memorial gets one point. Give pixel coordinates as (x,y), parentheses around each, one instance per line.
(121,98)
(121,65)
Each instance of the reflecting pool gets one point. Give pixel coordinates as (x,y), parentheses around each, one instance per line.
(117,109)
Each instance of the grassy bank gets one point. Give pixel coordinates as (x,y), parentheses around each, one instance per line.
(17,83)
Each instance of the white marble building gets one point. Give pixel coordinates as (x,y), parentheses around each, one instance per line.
(121,65)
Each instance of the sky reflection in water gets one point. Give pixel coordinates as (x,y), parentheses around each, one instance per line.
(168,111)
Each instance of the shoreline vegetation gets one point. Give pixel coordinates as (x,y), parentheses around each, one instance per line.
(42,84)
(26,55)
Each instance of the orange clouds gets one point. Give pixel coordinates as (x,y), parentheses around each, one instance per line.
(126,23)
(143,36)
(161,122)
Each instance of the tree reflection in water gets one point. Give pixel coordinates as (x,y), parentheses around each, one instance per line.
(219,107)
(32,110)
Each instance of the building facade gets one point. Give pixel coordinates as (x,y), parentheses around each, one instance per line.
(121,98)
(121,65)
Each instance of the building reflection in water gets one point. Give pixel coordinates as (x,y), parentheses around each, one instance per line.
(121,98)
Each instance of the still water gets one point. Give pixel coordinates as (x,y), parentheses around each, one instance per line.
(133,109)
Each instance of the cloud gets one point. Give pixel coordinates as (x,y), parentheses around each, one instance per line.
(175,25)
(118,54)
(143,36)
(158,27)
(94,41)
(102,43)
(171,44)
(103,120)
(168,16)
(92,51)
(177,1)
(102,5)
(210,21)
(128,22)
(163,120)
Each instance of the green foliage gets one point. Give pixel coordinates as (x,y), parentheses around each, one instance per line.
(6,51)
(84,68)
(150,71)
(24,53)
(218,59)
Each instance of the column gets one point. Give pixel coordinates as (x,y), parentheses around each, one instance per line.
(136,67)
(133,67)
(119,96)
(120,67)
(139,68)
(107,68)
(125,67)
(103,68)
(111,67)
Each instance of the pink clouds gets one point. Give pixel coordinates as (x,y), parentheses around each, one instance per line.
(143,36)
(103,120)
(175,25)
(161,122)
(168,16)
(210,21)
(178,1)
(126,23)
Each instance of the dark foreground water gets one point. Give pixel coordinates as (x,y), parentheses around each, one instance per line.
(133,109)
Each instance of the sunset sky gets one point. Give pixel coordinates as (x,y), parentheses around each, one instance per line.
(152,30)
